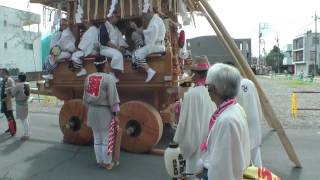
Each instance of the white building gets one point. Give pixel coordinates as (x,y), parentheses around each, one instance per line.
(288,60)
(304,53)
(20,40)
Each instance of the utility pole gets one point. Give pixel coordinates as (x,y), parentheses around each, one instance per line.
(258,63)
(278,56)
(316,41)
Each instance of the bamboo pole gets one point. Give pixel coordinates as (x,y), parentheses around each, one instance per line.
(269,114)
(222,38)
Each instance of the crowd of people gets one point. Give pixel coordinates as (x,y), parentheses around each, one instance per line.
(20,90)
(218,131)
(108,41)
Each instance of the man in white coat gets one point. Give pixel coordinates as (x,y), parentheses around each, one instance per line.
(248,98)
(227,146)
(115,45)
(154,37)
(89,45)
(196,111)
(62,46)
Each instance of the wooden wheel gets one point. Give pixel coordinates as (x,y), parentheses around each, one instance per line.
(142,126)
(73,123)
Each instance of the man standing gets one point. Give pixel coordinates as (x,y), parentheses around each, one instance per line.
(6,101)
(101,96)
(114,43)
(248,98)
(227,146)
(89,45)
(154,40)
(62,46)
(196,111)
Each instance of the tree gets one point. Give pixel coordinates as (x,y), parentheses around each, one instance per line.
(275,59)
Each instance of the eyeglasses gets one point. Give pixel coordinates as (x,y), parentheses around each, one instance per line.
(210,88)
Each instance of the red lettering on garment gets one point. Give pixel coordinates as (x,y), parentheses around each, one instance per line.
(94,85)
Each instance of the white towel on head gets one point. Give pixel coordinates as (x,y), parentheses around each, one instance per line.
(112,8)
(146,6)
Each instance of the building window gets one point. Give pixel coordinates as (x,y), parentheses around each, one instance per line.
(315,41)
(298,56)
(298,43)
(247,46)
(4,23)
(240,46)
(28,46)
(5,45)
(312,56)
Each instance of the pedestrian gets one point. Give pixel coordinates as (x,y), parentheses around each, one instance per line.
(227,146)
(196,111)
(6,100)
(21,92)
(101,96)
(248,98)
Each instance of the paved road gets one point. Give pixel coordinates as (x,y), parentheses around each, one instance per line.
(45,157)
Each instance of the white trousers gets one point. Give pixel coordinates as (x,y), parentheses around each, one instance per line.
(26,126)
(101,146)
(115,55)
(76,58)
(256,156)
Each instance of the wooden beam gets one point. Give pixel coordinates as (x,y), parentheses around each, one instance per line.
(241,62)
(47,2)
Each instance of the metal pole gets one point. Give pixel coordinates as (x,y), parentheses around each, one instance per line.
(315,43)
(278,57)
(258,63)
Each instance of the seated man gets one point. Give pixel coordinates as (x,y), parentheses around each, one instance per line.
(154,40)
(89,45)
(62,46)
(113,44)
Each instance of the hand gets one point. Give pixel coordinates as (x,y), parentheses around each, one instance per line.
(133,25)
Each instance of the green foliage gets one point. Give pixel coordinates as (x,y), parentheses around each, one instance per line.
(275,59)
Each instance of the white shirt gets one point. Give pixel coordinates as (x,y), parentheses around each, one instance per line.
(248,98)
(89,41)
(228,153)
(196,111)
(154,34)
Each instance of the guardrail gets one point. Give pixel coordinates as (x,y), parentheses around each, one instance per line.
(294,111)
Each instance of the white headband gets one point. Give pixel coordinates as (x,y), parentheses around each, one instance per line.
(102,62)
(112,8)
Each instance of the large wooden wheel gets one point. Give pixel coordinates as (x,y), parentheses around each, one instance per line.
(73,123)
(142,126)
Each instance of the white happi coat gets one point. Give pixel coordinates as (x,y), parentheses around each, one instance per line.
(228,153)
(248,98)
(115,35)
(154,38)
(89,45)
(66,41)
(196,111)
(116,39)
(154,35)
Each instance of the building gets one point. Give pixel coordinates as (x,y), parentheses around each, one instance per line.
(305,52)
(215,50)
(20,40)
(288,60)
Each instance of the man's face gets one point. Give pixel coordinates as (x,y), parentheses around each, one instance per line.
(212,92)
(63,25)
(114,19)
